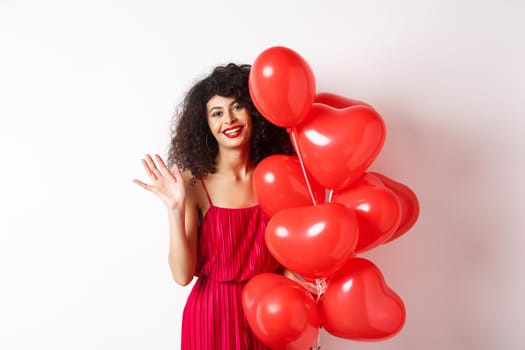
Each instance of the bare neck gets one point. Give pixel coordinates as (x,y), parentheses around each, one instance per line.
(235,163)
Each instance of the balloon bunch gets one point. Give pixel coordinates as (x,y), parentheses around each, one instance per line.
(324,208)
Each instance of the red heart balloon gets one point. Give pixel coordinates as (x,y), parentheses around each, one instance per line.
(359,305)
(282,86)
(337,101)
(338,145)
(280,312)
(312,241)
(378,212)
(409,204)
(369,179)
(258,286)
(279,183)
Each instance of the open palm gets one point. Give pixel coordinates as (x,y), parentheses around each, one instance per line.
(168,186)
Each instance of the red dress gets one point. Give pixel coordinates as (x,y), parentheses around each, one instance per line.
(231,250)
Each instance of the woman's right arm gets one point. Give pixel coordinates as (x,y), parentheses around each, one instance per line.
(175,191)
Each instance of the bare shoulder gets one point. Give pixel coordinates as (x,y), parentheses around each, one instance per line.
(188,177)
(191,188)
(189,181)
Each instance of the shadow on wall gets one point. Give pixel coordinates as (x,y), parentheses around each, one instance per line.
(446,268)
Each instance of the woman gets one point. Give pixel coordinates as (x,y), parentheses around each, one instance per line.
(215,223)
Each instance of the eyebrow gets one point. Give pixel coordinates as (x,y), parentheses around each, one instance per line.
(220,107)
(214,108)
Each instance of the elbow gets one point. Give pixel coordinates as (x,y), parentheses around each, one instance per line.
(182,277)
(182,273)
(183,280)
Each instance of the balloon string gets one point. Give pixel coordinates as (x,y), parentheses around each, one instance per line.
(317,344)
(330,194)
(320,283)
(294,140)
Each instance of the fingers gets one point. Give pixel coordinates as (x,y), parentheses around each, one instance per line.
(176,173)
(149,172)
(153,166)
(143,185)
(153,170)
(164,169)
(156,169)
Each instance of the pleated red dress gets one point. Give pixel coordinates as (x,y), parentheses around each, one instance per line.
(231,250)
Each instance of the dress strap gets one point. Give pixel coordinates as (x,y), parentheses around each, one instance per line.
(206,190)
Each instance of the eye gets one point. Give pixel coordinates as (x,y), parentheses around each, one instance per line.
(237,107)
(216,114)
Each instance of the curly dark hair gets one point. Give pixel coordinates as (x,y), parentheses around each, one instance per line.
(193,146)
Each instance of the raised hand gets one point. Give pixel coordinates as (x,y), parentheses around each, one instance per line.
(169,187)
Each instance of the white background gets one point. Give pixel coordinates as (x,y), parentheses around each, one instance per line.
(86,88)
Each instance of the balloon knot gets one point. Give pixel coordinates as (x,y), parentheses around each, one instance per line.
(321,287)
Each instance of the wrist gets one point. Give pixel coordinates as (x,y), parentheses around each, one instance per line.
(176,211)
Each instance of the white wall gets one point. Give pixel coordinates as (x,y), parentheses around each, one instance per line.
(87,88)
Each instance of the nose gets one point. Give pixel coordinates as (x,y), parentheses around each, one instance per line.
(229,117)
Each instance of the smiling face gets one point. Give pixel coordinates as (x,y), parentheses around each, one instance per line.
(229,122)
